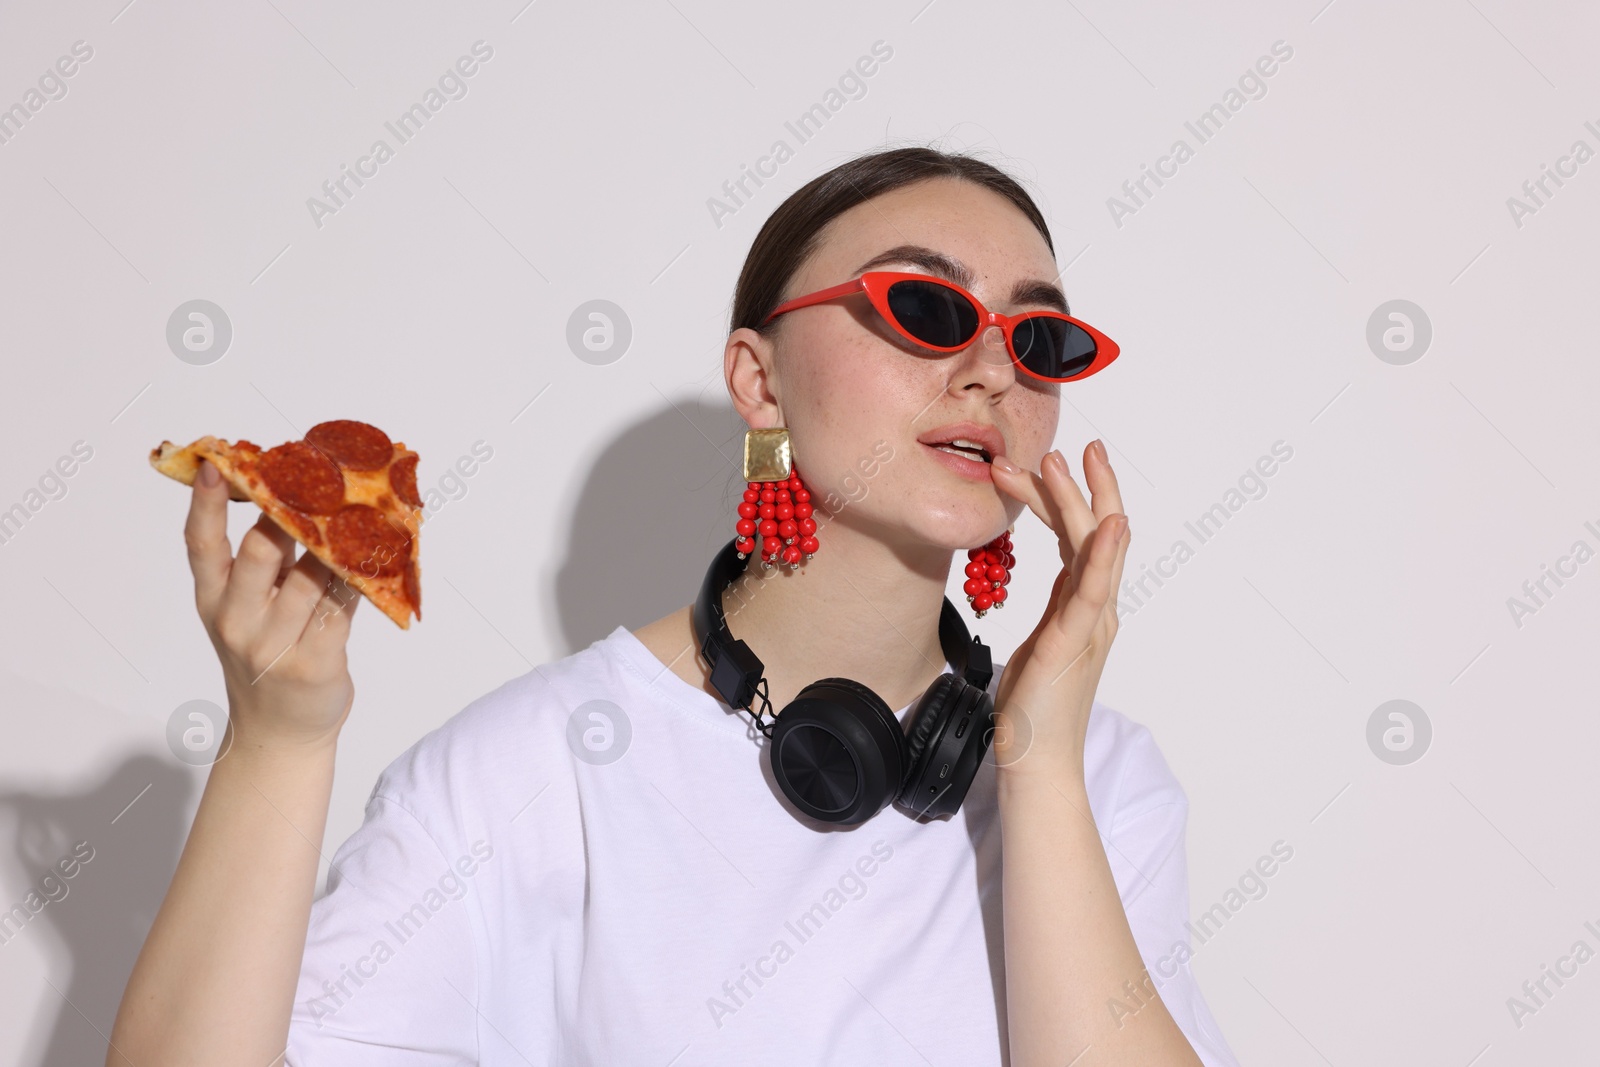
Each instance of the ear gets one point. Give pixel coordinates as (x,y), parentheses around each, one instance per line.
(749,365)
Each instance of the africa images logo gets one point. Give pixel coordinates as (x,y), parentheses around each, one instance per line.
(851,85)
(852,885)
(448,888)
(452,85)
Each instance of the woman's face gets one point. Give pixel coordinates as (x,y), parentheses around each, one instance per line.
(856,396)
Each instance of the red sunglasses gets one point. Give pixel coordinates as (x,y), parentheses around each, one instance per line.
(941,315)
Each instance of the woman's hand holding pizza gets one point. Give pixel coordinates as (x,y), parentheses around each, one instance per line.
(279,625)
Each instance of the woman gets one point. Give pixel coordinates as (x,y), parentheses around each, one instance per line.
(592,865)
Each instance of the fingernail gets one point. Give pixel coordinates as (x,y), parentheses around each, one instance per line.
(1006,465)
(1122,528)
(209,475)
(1099,449)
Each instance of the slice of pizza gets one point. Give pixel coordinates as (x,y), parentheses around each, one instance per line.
(345,491)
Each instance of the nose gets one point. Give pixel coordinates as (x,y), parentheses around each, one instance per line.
(992,347)
(986,361)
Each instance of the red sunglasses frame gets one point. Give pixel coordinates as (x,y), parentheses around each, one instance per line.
(876,285)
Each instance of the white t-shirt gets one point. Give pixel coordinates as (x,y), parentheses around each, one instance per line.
(590,866)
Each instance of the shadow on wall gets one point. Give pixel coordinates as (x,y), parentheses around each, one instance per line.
(120,839)
(659,502)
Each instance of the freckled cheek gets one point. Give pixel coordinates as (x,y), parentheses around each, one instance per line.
(1034,417)
(844,400)
(848,380)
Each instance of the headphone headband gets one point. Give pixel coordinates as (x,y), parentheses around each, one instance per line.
(736,670)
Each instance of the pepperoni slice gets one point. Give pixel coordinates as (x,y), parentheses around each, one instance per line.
(303,478)
(353,445)
(367,543)
(403,480)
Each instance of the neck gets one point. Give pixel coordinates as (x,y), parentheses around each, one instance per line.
(859,608)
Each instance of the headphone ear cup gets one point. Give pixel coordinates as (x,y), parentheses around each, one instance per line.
(950,732)
(838,752)
(928,716)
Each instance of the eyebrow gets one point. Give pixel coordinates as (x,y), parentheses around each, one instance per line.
(1027,291)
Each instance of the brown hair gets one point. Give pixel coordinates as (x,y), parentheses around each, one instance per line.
(792,232)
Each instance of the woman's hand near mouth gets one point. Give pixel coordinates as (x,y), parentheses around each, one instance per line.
(1049,683)
(1069,949)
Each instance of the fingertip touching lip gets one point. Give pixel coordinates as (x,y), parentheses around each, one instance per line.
(985,435)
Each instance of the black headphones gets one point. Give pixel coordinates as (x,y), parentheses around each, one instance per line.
(837,751)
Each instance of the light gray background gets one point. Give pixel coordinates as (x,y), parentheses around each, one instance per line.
(435,303)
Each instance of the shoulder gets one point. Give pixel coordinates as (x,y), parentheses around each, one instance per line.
(1126,770)
(1126,774)
(501,748)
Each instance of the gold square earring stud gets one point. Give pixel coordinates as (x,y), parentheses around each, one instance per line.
(766,455)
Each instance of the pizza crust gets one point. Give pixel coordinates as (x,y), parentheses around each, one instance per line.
(183,463)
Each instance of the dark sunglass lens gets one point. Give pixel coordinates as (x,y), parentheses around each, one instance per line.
(933,314)
(1053,348)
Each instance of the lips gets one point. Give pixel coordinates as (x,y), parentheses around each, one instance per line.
(987,439)
(966,449)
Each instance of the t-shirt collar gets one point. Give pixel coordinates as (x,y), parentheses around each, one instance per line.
(691,698)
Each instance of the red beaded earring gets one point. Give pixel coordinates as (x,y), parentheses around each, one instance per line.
(775,514)
(988,571)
